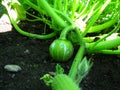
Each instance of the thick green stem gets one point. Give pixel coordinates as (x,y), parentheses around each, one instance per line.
(65,31)
(74,7)
(78,57)
(60,7)
(109,51)
(101,39)
(103,45)
(102,26)
(64,16)
(30,34)
(32,5)
(65,6)
(52,13)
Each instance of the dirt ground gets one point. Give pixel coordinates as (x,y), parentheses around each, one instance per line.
(32,55)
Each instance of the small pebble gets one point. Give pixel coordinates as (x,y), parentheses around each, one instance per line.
(27,51)
(12,68)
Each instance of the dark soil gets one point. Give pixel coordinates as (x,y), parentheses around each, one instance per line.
(32,55)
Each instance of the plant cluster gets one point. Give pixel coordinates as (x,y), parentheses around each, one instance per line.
(91,24)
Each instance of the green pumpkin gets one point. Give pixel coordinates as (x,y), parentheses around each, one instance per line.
(61,50)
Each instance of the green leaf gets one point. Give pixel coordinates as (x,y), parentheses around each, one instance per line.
(83,69)
(59,69)
(47,78)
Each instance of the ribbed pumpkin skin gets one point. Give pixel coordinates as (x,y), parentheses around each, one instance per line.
(61,50)
(63,82)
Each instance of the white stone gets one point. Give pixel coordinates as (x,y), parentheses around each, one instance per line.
(12,68)
(5,24)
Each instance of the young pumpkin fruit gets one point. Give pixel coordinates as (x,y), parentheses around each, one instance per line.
(61,50)
(63,82)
